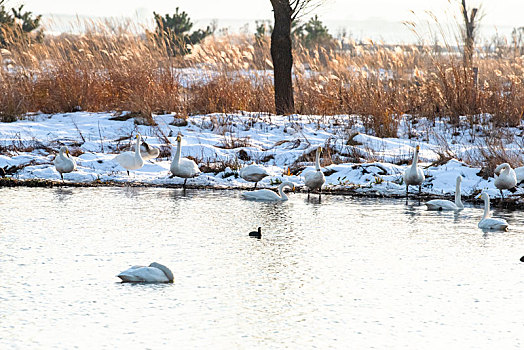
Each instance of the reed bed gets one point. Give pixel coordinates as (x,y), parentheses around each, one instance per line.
(107,69)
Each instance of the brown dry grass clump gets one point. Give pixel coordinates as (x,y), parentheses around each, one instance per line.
(114,69)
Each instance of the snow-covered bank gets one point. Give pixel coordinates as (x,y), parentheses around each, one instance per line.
(364,163)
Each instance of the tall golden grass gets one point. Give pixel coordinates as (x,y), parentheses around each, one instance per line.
(117,70)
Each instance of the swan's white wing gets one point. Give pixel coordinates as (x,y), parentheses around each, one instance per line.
(185,168)
(262,195)
(441,204)
(143,274)
(253,173)
(314,179)
(128,161)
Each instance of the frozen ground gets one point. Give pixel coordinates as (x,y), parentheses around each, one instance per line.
(365,163)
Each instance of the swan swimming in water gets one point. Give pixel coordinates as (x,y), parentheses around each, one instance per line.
(64,163)
(268,195)
(183,167)
(253,173)
(414,175)
(487,222)
(131,160)
(315,179)
(154,273)
(441,204)
(506,179)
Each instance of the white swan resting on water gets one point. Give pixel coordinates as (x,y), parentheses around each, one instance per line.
(506,179)
(268,195)
(253,173)
(442,204)
(315,179)
(154,273)
(487,222)
(64,163)
(414,175)
(183,167)
(131,160)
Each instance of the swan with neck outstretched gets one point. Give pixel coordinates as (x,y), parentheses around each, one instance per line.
(253,173)
(314,180)
(506,178)
(183,167)
(487,222)
(268,195)
(63,162)
(154,273)
(413,175)
(131,160)
(442,204)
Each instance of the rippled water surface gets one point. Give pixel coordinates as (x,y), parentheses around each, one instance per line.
(345,273)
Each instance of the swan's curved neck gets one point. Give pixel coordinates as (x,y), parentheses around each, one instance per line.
(61,154)
(317,161)
(281,192)
(415,159)
(178,151)
(458,201)
(486,208)
(137,148)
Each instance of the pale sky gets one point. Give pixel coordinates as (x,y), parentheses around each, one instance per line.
(506,13)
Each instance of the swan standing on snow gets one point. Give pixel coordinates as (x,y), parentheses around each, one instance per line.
(131,160)
(315,179)
(253,173)
(148,152)
(414,175)
(183,167)
(154,273)
(268,195)
(487,222)
(440,204)
(64,163)
(506,178)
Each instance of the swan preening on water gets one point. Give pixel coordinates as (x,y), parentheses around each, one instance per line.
(315,179)
(257,233)
(253,173)
(441,204)
(64,163)
(414,175)
(487,222)
(154,273)
(131,160)
(268,195)
(183,167)
(506,179)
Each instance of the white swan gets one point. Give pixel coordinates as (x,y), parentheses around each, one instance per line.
(414,175)
(487,222)
(64,163)
(131,160)
(148,152)
(506,179)
(268,195)
(520,174)
(183,167)
(441,204)
(154,273)
(315,179)
(253,173)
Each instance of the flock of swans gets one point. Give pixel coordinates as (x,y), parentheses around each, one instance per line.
(314,180)
(506,178)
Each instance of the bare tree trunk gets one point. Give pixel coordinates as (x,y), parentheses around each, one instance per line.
(282,57)
(469,33)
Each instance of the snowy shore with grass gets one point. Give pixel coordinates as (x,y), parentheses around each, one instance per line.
(352,160)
